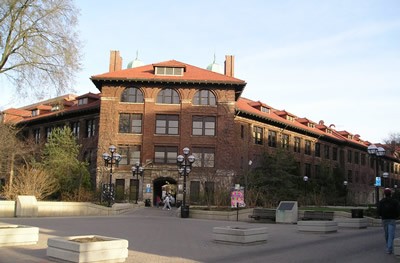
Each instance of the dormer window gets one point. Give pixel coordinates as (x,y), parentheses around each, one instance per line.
(35,112)
(55,108)
(264,109)
(168,71)
(83,101)
(289,118)
(311,125)
(329,131)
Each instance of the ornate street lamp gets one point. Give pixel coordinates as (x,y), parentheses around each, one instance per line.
(376,152)
(184,163)
(138,170)
(305,179)
(109,160)
(345,192)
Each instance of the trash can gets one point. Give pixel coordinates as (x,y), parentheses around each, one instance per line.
(147,202)
(357,213)
(185,211)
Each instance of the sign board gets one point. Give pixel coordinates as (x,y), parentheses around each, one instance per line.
(286,206)
(377,181)
(148,188)
(237,197)
(287,212)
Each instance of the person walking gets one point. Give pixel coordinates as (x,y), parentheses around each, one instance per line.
(167,201)
(389,211)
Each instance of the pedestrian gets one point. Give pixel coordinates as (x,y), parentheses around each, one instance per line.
(158,201)
(389,211)
(167,201)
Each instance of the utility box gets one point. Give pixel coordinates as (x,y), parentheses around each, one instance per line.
(287,212)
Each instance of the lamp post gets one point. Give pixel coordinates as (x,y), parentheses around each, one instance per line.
(376,152)
(184,163)
(305,179)
(138,170)
(345,192)
(114,158)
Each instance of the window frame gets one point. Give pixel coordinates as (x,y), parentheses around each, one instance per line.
(132,95)
(205,121)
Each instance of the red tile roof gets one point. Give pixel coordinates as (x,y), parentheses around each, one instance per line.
(145,73)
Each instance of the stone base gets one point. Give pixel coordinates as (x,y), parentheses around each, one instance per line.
(352,222)
(396,247)
(12,235)
(240,235)
(107,250)
(317,226)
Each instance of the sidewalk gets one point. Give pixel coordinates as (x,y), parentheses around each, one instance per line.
(157,235)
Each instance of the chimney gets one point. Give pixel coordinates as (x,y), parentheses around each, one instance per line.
(229,65)
(115,61)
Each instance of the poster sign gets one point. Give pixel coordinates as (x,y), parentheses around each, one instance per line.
(237,196)
(148,188)
(377,181)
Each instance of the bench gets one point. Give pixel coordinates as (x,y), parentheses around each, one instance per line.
(263,213)
(318,215)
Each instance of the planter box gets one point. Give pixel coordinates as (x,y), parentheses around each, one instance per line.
(240,235)
(11,235)
(89,248)
(317,226)
(352,222)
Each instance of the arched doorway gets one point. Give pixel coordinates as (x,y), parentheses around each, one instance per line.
(161,186)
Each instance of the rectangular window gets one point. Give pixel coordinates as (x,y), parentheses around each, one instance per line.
(36,135)
(349,156)
(205,157)
(258,134)
(203,125)
(285,141)
(307,170)
(194,191)
(334,154)
(350,176)
(307,147)
(317,149)
(75,129)
(356,157)
(165,154)
(90,128)
(167,124)
(296,146)
(130,123)
(326,151)
(130,154)
(48,132)
(272,138)
(242,131)
(209,191)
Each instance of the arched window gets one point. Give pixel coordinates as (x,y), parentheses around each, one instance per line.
(204,97)
(168,96)
(132,95)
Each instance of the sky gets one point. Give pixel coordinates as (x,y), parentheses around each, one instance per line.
(332,60)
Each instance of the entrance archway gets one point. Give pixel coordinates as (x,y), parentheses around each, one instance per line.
(169,185)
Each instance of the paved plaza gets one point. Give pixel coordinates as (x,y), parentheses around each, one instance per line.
(157,235)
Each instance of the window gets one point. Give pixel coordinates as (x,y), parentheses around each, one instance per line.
(35,113)
(48,132)
(130,123)
(203,125)
(90,128)
(167,124)
(350,176)
(165,154)
(83,101)
(264,109)
(334,153)
(258,135)
(204,97)
(296,147)
(194,191)
(307,170)
(356,157)
(349,156)
(130,154)
(209,191)
(242,131)
(205,157)
(168,96)
(285,141)
(363,159)
(36,135)
(307,147)
(272,138)
(134,95)
(75,129)
(317,149)
(168,71)
(326,151)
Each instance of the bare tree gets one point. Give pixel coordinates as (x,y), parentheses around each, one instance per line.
(39,45)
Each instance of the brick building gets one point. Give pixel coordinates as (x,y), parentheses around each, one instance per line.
(151,112)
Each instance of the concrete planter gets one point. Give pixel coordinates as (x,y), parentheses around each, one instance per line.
(317,226)
(89,248)
(12,235)
(240,235)
(352,222)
